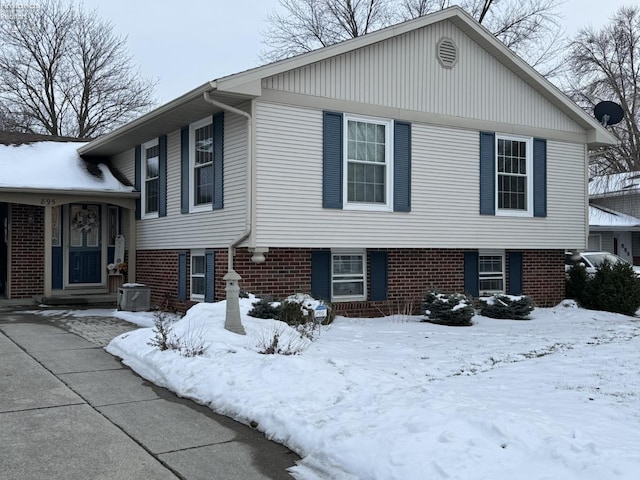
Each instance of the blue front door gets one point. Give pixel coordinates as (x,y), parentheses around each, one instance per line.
(85,250)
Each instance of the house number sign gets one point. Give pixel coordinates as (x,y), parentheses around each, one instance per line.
(48,201)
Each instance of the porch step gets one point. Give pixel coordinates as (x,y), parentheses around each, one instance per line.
(107,299)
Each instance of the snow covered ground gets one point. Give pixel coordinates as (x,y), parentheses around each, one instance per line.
(555,397)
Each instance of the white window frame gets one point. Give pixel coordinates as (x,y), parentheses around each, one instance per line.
(192,164)
(193,296)
(508,212)
(335,279)
(143,180)
(379,207)
(492,275)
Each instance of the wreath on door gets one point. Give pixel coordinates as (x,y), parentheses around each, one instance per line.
(84,221)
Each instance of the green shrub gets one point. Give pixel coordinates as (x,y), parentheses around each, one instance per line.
(454,309)
(300,308)
(264,308)
(613,288)
(502,306)
(576,283)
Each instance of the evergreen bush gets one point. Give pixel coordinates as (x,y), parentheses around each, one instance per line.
(502,306)
(576,283)
(454,309)
(264,308)
(613,288)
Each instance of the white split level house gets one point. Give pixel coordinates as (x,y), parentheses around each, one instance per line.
(426,155)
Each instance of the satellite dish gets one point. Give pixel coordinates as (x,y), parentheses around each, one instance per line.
(608,113)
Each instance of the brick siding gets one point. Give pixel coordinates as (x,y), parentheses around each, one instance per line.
(411,272)
(27,251)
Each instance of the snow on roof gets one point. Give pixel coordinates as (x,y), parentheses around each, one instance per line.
(604,217)
(614,183)
(53,165)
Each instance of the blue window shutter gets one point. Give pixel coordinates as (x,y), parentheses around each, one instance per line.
(487,173)
(209,276)
(471,273)
(162,178)
(515,273)
(182,277)
(332,142)
(218,161)
(379,279)
(137,179)
(184,170)
(321,275)
(539,177)
(402,167)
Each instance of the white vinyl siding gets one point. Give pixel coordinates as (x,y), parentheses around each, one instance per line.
(404,73)
(209,228)
(445,200)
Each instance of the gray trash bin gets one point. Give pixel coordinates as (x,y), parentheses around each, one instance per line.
(134,298)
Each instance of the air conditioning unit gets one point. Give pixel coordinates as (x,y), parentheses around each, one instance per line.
(134,298)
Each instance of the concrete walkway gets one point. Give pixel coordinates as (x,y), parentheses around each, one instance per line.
(69,410)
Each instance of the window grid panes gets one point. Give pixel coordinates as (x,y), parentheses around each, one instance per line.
(366,162)
(197,276)
(491,269)
(512,174)
(152,172)
(203,165)
(348,277)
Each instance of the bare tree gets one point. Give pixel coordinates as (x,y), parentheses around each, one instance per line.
(605,65)
(310,24)
(64,72)
(529,27)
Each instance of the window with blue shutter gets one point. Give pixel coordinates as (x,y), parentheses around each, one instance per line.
(513,175)
(360,169)
(379,275)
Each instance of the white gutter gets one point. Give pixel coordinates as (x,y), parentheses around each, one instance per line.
(247,231)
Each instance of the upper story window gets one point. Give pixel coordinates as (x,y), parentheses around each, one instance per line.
(201,163)
(368,168)
(151,177)
(514,175)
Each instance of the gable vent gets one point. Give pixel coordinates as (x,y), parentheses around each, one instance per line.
(447,52)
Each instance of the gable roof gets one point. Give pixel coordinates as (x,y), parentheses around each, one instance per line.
(239,87)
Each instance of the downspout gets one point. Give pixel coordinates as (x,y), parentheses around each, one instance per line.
(232,321)
(247,231)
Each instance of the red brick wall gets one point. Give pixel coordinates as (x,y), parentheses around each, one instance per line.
(543,277)
(411,272)
(27,251)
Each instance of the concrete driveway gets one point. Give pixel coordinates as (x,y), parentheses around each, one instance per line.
(68,409)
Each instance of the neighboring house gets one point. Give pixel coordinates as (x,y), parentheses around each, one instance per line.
(425,155)
(59,219)
(614,208)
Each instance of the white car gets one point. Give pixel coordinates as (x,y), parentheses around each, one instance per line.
(591,261)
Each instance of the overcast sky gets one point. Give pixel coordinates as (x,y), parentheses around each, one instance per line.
(184,43)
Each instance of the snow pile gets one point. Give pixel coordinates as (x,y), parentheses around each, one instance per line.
(556,397)
(54,165)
